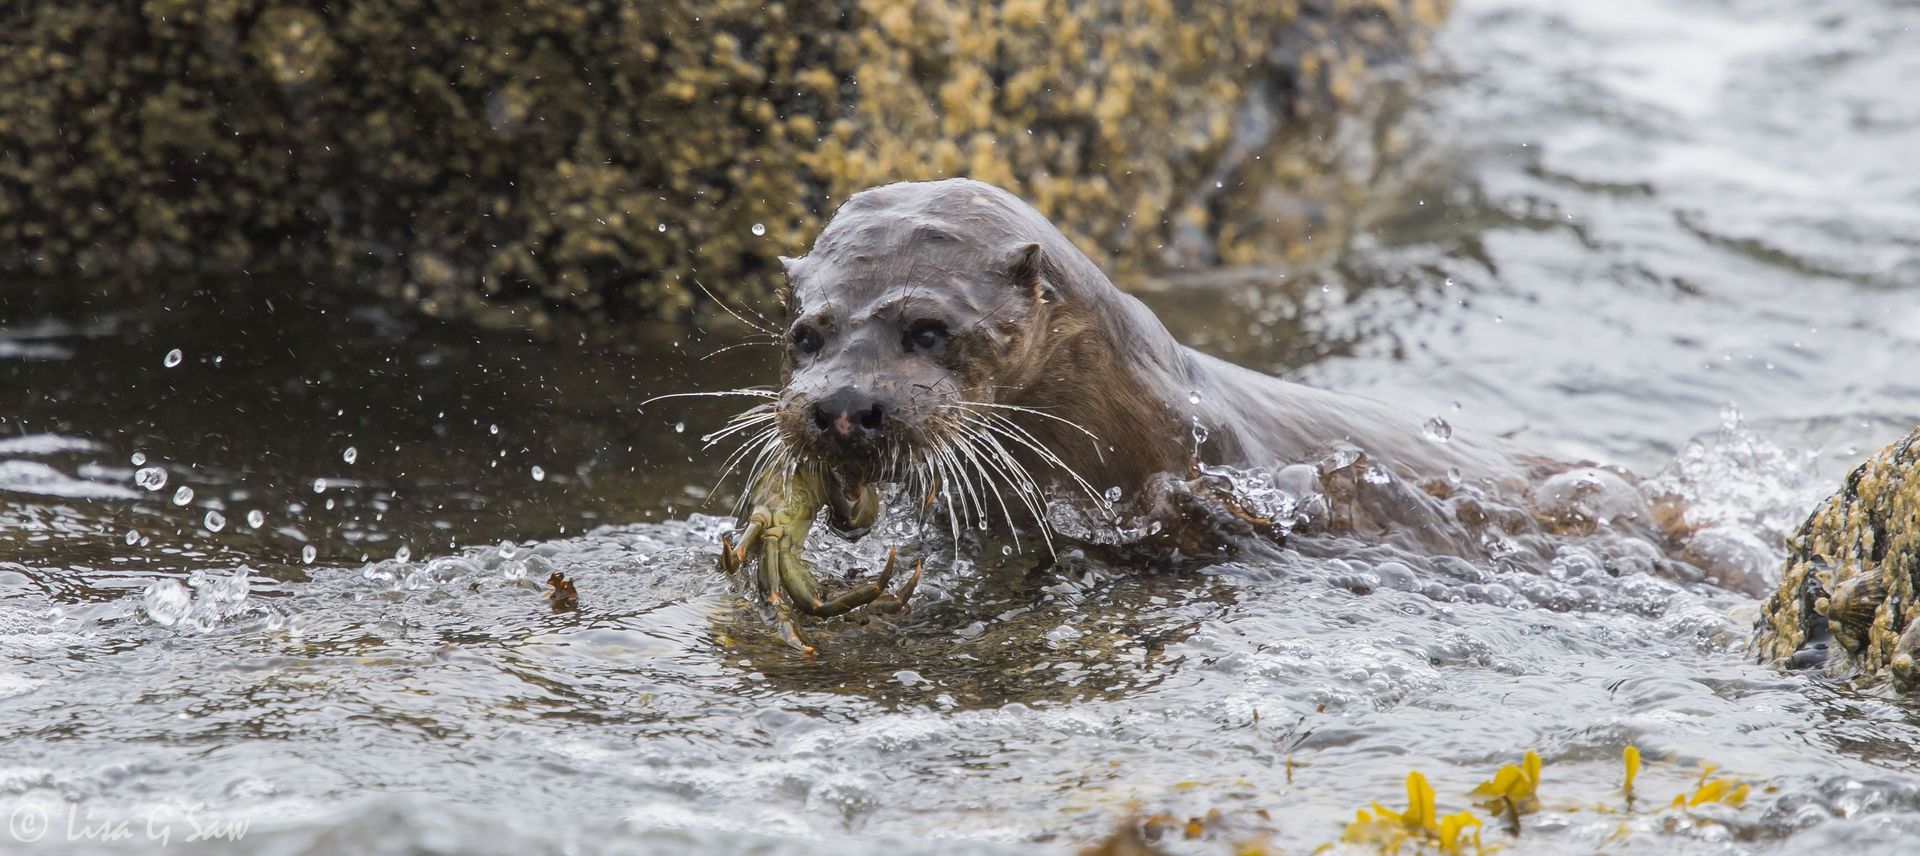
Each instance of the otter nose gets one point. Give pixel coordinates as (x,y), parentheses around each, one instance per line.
(848,416)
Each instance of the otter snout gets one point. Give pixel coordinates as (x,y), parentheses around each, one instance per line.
(849,418)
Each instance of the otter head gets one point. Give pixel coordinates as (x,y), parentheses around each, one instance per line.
(920,306)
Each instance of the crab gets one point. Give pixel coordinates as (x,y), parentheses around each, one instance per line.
(784,507)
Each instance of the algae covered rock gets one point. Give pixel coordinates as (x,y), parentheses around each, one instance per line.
(1846,599)
(606,155)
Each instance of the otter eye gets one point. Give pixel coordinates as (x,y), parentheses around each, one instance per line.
(926,336)
(806,340)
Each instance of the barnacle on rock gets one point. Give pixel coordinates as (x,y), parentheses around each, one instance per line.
(1905,664)
(1854,567)
(1851,607)
(601,156)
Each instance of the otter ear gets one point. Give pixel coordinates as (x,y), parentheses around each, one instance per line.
(784,289)
(1028,268)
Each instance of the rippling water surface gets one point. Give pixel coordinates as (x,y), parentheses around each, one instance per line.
(1678,236)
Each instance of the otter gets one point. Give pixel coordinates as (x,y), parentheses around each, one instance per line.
(945,335)
(919,298)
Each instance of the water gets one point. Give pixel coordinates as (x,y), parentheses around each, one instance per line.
(1609,223)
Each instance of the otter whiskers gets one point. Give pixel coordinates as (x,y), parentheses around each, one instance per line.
(966,455)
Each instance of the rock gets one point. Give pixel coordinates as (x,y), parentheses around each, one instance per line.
(601,156)
(1851,574)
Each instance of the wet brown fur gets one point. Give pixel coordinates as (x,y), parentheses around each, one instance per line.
(1035,323)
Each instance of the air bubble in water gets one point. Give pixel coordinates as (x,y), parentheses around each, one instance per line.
(133,537)
(493,429)
(151,478)
(539,474)
(319,485)
(663,227)
(759,230)
(308,554)
(173,358)
(1437,430)
(139,459)
(215,521)
(183,496)
(256,519)
(508,550)
(1006,550)
(350,455)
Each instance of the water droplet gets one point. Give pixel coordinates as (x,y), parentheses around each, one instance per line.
(759,230)
(493,429)
(183,496)
(1199,433)
(173,358)
(1499,319)
(166,602)
(1374,475)
(539,474)
(1193,397)
(308,554)
(679,427)
(139,459)
(1730,417)
(133,537)
(662,227)
(151,478)
(1113,494)
(1006,550)
(215,521)
(508,550)
(319,485)
(1437,430)
(256,519)
(402,555)
(1453,475)
(350,455)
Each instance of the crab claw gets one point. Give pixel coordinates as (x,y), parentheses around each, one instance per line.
(776,531)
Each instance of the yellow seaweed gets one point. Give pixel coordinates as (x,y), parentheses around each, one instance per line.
(1630,758)
(1388,829)
(1513,786)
